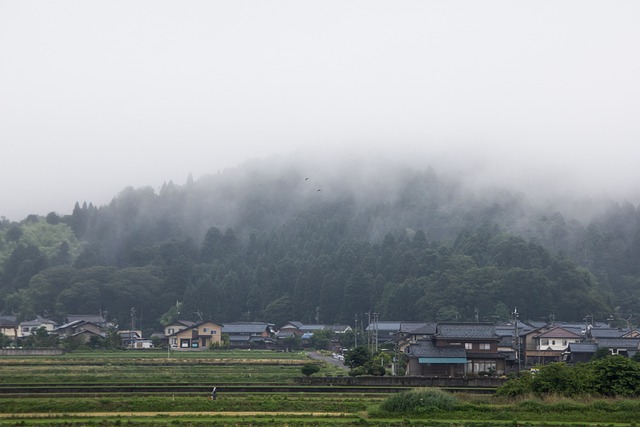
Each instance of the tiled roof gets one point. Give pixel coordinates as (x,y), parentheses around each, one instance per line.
(506,341)
(420,328)
(607,333)
(239,327)
(385,326)
(582,347)
(93,318)
(559,332)
(38,321)
(8,322)
(426,348)
(629,343)
(467,330)
(187,323)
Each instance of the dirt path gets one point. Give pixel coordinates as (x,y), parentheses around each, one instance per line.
(317,356)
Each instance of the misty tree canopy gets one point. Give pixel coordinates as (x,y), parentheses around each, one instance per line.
(258,246)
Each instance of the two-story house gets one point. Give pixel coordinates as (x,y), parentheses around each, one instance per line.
(200,336)
(28,327)
(551,344)
(457,349)
(79,328)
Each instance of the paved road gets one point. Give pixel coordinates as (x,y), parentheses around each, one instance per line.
(317,356)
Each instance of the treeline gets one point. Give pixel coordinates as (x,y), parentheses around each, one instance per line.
(252,246)
(280,276)
(605,376)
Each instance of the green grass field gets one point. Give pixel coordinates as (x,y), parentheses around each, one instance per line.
(48,406)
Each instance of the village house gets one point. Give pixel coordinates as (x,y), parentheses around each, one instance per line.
(79,328)
(249,334)
(456,350)
(200,336)
(580,352)
(550,344)
(26,328)
(9,327)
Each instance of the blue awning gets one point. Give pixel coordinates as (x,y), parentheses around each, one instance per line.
(443,360)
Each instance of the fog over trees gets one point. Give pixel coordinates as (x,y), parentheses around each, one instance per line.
(275,238)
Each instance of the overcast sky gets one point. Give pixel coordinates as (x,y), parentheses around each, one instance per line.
(97,96)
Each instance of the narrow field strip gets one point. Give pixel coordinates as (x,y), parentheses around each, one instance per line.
(174,414)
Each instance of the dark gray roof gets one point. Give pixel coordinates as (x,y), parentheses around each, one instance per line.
(628,343)
(467,330)
(385,325)
(410,327)
(39,320)
(294,323)
(244,327)
(187,323)
(70,324)
(607,333)
(427,348)
(582,347)
(506,341)
(93,318)
(8,321)
(419,328)
(536,324)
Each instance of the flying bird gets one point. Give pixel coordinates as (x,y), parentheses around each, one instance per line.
(306,179)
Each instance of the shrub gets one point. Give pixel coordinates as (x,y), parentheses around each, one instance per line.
(420,401)
(309,369)
(517,386)
(360,370)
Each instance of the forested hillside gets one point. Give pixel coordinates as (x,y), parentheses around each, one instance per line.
(254,244)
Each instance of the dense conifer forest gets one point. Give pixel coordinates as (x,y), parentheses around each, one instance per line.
(269,242)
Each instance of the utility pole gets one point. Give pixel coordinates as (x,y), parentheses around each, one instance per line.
(355,331)
(477,315)
(516,337)
(369,338)
(133,318)
(317,315)
(375,331)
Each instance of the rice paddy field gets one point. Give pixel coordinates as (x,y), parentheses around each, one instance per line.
(255,388)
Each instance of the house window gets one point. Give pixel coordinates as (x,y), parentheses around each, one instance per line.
(485,346)
(477,366)
(205,329)
(553,342)
(544,342)
(564,342)
(455,343)
(468,346)
(170,331)
(213,332)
